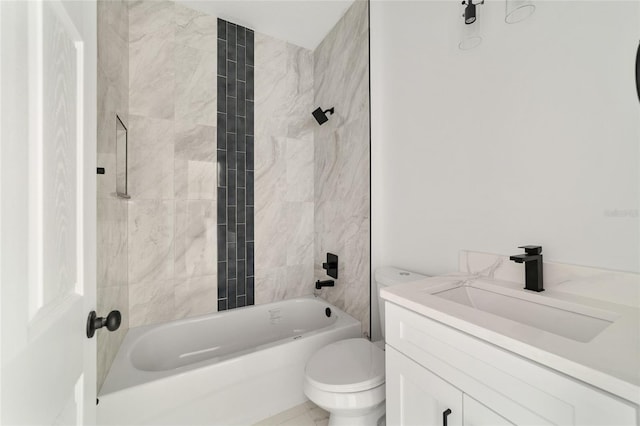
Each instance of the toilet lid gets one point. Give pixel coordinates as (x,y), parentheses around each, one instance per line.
(351,365)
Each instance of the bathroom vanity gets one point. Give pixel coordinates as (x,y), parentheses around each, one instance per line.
(470,349)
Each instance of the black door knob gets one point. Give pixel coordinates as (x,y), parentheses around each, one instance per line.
(94,322)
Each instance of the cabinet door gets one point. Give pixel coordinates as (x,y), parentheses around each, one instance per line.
(416,396)
(476,414)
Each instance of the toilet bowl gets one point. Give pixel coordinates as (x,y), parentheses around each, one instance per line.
(347,378)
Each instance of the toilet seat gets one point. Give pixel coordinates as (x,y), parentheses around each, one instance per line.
(352,365)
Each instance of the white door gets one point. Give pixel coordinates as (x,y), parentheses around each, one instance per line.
(47,211)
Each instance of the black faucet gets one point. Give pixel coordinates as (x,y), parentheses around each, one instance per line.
(327,283)
(532,260)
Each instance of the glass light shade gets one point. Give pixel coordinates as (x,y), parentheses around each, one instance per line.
(518,10)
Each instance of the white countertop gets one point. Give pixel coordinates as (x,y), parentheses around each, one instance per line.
(610,361)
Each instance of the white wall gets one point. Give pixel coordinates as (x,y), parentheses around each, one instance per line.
(531,138)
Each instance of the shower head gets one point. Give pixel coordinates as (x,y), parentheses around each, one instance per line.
(321,116)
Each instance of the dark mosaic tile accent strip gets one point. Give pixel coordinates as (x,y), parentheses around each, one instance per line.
(235,166)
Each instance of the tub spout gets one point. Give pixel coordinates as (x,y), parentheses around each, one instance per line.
(326,283)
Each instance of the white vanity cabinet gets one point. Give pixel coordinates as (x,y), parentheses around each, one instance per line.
(416,396)
(432,367)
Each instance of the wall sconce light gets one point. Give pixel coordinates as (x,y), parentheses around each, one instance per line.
(470,11)
(470,35)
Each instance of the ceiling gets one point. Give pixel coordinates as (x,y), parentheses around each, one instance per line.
(301,22)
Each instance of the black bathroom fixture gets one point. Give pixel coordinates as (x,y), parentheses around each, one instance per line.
(112,322)
(326,283)
(321,116)
(331,265)
(470,11)
(532,259)
(638,71)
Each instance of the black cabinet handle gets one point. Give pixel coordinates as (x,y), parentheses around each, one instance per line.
(112,322)
(638,72)
(445,414)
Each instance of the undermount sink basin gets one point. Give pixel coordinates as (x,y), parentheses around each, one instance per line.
(572,321)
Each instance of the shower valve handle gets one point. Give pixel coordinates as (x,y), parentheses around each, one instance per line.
(331,265)
(94,322)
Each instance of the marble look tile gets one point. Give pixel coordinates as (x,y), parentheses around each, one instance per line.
(195,238)
(151,302)
(299,170)
(341,62)
(271,235)
(329,225)
(345,86)
(355,248)
(151,18)
(351,26)
(196,296)
(196,89)
(151,240)
(270,170)
(356,253)
(195,161)
(283,89)
(301,420)
(357,305)
(112,38)
(152,76)
(195,180)
(196,29)
(356,86)
(298,235)
(270,284)
(195,142)
(327,160)
(299,280)
(341,160)
(114,15)
(284,416)
(270,52)
(111,244)
(317,414)
(353,166)
(151,158)
(111,97)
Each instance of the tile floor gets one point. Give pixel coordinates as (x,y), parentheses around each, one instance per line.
(307,414)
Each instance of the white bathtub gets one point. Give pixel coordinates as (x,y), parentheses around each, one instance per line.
(232,367)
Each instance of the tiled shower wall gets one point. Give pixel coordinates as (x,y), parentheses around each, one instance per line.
(342,201)
(111,248)
(172,162)
(284,202)
(173,170)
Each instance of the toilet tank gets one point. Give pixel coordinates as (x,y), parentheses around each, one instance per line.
(389,276)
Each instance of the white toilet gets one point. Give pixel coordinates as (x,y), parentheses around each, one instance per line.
(346,378)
